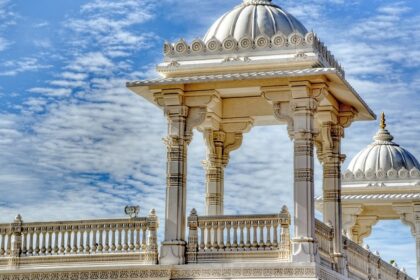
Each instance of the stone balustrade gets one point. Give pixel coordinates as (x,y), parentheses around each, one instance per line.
(361,263)
(79,241)
(238,238)
(325,236)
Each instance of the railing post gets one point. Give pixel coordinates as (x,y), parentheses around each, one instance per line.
(285,245)
(16,241)
(152,246)
(192,247)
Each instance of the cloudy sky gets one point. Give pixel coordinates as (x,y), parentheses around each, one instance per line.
(74,143)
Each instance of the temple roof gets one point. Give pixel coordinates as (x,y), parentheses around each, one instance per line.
(252,19)
(383,159)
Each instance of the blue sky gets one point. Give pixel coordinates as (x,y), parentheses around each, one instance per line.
(74,143)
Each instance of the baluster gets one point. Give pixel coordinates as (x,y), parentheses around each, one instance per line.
(125,246)
(143,237)
(30,241)
(228,244)
(82,239)
(37,245)
(241,234)
(68,241)
(56,236)
(254,235)
(235,235)
(94,242)
(268,235)
(215,236)
(131,245)
(75,242)
(50,237)
(2,251)
(9,244)
(113,247)
(100,238)
(221,237)
(63,232)
(24,242)
(44,240)
(202,236)
(261,244)
(275,235)
(248,234)
(119,239)
(208,241)
(106,247)
(138,228)
(88,246)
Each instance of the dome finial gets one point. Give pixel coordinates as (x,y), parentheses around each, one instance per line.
(383,121)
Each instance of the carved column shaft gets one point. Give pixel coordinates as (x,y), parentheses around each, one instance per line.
(303,108)
(177,143)
(219,145)
(416,218)
(332,212)
(214,166)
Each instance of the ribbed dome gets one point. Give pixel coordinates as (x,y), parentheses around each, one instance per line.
(383,158)
(252,19)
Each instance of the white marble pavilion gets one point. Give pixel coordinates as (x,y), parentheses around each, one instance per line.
(257,65)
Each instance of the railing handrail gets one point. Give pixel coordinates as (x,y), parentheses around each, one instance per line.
(80,222)
(243,217)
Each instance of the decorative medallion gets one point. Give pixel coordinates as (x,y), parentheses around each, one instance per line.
(197,46)
(262,42)
(213,45)
(181,47)
(279,40)
(295,39)
(229,44)
(245,43)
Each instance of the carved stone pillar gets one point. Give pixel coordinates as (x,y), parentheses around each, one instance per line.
(181,120)
(413,218)
(303,106)
(214,172)
(331,163)
(219,145)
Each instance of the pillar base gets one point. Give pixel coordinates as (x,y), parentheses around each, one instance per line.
(172,253)
(305,250)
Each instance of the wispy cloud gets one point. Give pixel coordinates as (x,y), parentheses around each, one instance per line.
(14,67)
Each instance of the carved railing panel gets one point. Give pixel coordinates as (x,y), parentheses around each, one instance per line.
(238,238)
(75,241)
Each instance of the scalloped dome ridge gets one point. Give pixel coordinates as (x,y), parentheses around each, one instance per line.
(383,159)
(252,19)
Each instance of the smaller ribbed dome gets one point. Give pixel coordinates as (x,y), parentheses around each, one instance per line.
(382,159)
(254,18)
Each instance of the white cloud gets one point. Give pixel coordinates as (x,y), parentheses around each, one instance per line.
(15,67)
(51,91)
